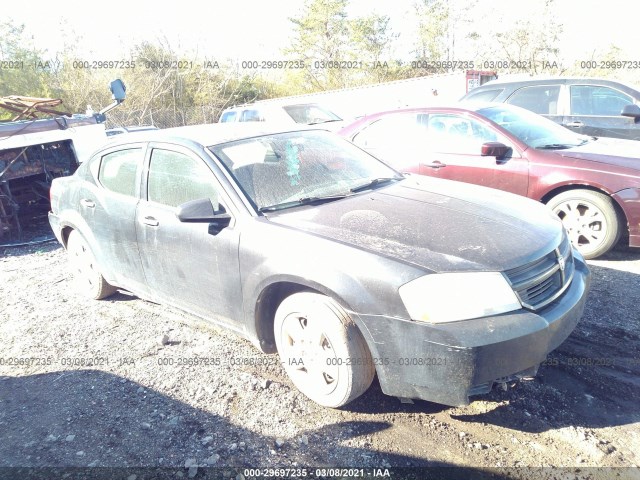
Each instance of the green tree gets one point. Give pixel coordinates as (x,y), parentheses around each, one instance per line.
(433,18)
(372,41)
(321,40)
(337,51)
(531,42)
(27,73)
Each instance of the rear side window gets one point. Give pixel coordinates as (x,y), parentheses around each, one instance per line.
(251,116)
(540,99)
(118,171)
(176,178)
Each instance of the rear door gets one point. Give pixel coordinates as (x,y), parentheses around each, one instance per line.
(189,264)
(595,110)
(398,140)
(108,205)
(540,99)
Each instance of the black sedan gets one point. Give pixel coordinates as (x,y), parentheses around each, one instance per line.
(308,246)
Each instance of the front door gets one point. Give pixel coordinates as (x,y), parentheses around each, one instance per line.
(595,110)
(188,265)
(454,150)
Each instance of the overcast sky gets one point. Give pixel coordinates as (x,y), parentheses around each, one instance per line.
(258,29)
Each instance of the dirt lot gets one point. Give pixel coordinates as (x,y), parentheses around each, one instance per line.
(167,390)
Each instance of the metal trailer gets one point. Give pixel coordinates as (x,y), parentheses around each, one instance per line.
(34,151)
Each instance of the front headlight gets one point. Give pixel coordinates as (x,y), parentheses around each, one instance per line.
(450,297)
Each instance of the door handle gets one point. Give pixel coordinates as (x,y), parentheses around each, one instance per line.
(85,202)
(152,222)
(575,124)
(437,164)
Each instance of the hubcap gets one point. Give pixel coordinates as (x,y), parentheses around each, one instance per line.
(585,223)
(83,266)
(308,354)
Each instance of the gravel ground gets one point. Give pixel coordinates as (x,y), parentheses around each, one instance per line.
(125,382)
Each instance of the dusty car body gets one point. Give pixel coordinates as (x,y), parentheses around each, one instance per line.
(308,246)
(592,184)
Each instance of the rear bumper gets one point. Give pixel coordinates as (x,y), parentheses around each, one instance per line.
(448,363)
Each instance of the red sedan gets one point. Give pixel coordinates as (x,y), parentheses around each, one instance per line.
(593,184)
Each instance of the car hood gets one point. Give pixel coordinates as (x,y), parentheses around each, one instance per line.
(610,151)
(439,225)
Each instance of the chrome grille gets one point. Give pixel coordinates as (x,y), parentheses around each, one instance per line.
(540,282)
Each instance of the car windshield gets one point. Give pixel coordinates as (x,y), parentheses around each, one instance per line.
(532,129)
(310,114)
(295,168)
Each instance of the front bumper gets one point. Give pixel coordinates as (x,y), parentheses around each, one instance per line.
(54,221)
(447,363)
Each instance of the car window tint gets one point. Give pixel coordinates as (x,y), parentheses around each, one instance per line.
(176,178)
(541,99)
(597,100)
(451,133)
(118,170)
(484,95)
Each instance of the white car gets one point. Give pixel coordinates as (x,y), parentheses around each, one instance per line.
(291,114)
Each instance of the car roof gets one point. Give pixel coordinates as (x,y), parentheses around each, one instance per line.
(209,134)
(516,79)
(459,107)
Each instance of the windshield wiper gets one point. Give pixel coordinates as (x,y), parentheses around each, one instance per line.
(555,146)
(374,183)
(303,201)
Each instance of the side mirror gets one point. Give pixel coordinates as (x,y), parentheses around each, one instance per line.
(494,149)
(202,211)
(632,111)
(118,90)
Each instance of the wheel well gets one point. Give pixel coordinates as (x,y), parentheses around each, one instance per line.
(66,231)
(266,307)
(621,215)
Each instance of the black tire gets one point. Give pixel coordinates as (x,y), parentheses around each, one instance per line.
(88,279)
(322,350)
(590,218)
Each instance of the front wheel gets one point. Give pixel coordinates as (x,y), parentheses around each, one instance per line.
(590,218)
(322,350)
(88,279)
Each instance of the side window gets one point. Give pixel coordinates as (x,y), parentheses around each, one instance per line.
(457,134)
(251,116)
(176,178)
(391,131)
(597,100)
(541,99)
(228,117)
(118,171)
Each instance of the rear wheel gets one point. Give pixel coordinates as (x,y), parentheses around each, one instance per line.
(322,350)
(590,218)
(88,279)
